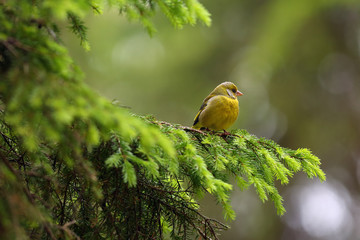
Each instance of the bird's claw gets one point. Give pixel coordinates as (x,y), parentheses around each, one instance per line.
(225,133)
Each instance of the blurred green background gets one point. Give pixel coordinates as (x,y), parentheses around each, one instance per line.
(298,65)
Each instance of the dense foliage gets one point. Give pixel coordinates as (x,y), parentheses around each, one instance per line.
(74,165)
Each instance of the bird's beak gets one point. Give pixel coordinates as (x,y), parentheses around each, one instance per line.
(238,93)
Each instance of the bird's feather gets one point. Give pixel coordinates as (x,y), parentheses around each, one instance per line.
(220,109)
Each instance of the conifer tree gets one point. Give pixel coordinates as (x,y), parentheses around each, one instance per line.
(75,166)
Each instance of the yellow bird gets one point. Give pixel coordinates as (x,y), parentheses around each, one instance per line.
(220,109)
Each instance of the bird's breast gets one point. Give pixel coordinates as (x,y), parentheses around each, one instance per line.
(220,112)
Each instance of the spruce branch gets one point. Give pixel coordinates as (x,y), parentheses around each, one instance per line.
(78,166)
(260,160)
(78,27)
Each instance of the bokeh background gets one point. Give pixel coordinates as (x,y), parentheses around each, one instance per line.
(298,65)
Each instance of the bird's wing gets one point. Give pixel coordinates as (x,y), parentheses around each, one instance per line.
(204,104)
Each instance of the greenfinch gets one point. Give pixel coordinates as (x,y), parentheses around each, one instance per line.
(220,109)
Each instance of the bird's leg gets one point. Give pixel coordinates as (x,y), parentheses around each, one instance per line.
(206,129)
(225,133)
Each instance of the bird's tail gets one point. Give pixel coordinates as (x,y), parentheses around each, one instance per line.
(196,126)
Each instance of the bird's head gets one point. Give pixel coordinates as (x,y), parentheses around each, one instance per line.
(228,89)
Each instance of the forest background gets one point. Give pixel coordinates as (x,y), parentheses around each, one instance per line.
(298,65)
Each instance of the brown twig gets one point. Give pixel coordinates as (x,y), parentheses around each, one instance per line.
(66,229)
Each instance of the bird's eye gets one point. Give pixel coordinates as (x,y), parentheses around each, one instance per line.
(234,90)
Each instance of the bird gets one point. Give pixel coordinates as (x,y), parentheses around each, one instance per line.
(219,109)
